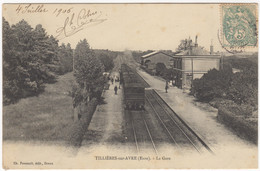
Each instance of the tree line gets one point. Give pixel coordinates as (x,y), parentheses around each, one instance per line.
(32,58)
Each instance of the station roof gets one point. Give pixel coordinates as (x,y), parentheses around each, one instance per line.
(154,53)
(196,52)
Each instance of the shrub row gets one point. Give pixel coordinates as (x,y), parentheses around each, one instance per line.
(242,125)
(80,127)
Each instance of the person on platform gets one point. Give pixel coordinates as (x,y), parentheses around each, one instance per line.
(166,87)
(115,89)
(112,80)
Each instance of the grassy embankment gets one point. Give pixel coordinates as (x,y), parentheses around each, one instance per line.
(47,117)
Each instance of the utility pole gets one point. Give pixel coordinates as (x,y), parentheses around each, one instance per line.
(192,69)
(222,61)
(73,63)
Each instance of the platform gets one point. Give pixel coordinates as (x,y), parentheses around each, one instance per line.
(201,117)
(106,124)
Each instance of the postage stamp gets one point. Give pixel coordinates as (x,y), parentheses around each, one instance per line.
(239,25)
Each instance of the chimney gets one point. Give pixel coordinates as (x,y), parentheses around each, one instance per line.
(211,47)
(196,41)
(190,46)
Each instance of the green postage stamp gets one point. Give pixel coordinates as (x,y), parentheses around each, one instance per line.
(239,25)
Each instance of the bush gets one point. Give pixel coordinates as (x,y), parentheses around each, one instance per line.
(213,84)
(241,110)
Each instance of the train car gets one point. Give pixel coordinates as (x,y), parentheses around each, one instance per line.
(134,90)
(134,96)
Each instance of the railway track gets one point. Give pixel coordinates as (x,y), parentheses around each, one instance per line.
(178,131)
(133,67)
(142,136)
(170,124)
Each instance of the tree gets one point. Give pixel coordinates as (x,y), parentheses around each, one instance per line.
(244,84)
(65,55)
(107,61)
(10,62)
(16,56)
(44,59)
(69,58)
(160,68)
(244,88)
(184,45)
(88,71)
(214,84)
(29,60)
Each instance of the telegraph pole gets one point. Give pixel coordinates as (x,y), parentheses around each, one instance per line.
(73,62)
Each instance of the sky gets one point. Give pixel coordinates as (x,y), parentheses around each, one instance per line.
(124,26)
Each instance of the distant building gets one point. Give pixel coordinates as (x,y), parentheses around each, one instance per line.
(192,62)
(150,60)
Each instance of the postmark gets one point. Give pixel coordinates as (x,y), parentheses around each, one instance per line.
(239,26)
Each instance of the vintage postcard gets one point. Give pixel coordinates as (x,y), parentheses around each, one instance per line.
(130,86)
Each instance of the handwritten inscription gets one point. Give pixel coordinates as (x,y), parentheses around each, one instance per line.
(59,11)
(77,22)
(31,9)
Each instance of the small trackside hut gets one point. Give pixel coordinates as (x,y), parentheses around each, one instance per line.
(133,89)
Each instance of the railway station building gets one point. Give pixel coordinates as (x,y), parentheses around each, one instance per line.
(192,62)
(150,60)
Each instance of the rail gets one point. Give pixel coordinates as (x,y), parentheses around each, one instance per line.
(172,119)
(186,125)
(147,130)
